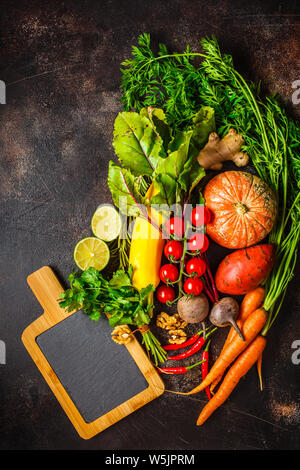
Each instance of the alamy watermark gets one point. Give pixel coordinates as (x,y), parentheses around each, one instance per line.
(158,216)
(2,352)
(2,92)
(296,353)
(296,94)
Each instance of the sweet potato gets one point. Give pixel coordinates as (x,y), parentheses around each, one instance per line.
(245,269)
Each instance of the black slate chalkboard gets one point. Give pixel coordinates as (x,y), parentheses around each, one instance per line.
(97,373)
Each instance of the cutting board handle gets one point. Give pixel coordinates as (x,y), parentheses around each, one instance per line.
(47,289)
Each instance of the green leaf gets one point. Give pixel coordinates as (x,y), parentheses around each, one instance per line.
(137,143)
(115,319)
(145,291)
(159,124)
(166,187)
(120,279)
(120,319)
(173,165)
(72,276)
(91,276)
(77,284)
(141,317)
(95,315)
(191,175)
(168,172)
(177,140)
(204,124)
(122,184)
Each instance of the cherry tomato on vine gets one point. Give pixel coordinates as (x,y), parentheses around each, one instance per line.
(165,294)
(173,250)
(198,242)
(201,215)
(175,226)
(196,266)
(168,273)
(193,286)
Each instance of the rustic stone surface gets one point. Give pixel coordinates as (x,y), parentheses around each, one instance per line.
(60,61)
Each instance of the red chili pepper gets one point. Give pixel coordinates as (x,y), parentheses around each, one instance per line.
(177,370)
(195,348)
(204,367)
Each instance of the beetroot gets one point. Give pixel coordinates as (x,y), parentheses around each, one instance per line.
(245,269)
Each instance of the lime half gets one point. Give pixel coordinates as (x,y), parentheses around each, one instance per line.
(106,223)
(91,252)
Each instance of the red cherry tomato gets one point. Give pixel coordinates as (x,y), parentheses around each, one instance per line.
(201,215)
(175,226)
(198,242)
(196,266)
(173,250)
(165,294)
(168,273)
(193,286)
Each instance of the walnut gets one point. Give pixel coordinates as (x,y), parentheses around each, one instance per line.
(177,336)
(180,323)
(168,322)
(165,321)
(121,334)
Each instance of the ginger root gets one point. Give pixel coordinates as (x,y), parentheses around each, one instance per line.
(217,151)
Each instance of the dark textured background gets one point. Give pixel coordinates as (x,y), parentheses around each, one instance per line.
(60,61)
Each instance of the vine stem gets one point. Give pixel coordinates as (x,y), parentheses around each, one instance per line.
(181,270)
(181,266)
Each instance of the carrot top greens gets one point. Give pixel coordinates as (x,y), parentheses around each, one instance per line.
(272,140)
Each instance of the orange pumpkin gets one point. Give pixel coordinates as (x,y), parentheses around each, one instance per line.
(243,209)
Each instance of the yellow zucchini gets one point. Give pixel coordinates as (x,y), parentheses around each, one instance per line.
(146,248)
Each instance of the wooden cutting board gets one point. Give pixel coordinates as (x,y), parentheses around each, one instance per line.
(96,381)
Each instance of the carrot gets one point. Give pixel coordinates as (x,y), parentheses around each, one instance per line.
(241,366)
(251,328)
(228,340)
(258,365)
(252,300)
